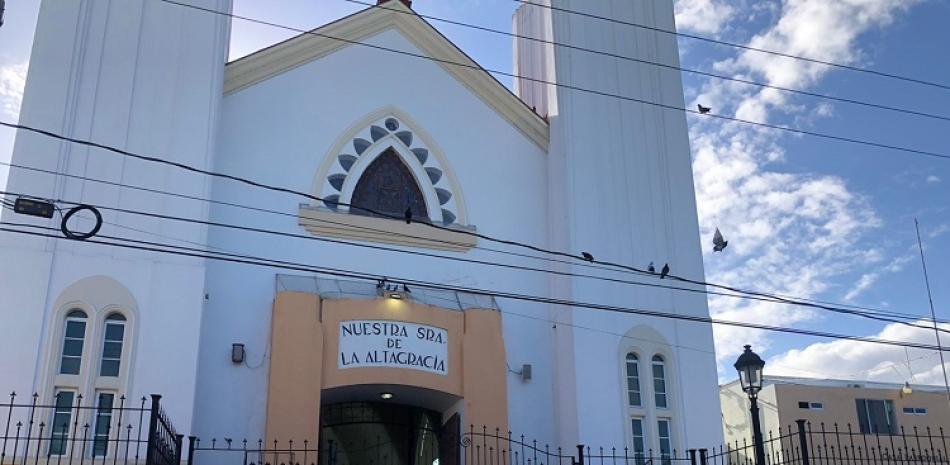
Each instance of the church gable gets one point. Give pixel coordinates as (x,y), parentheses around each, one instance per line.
(355,29)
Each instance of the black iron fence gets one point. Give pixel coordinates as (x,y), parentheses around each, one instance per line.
(111,430)
(72,430)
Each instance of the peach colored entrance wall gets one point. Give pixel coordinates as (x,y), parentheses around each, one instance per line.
(304,351)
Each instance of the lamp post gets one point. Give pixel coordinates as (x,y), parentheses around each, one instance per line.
(749,365)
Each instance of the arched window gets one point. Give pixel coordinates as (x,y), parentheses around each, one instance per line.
(659,382)
(113,337)
(74,336)
(633,380)
(388,187)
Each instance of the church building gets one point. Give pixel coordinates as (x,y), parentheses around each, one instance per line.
(362,324)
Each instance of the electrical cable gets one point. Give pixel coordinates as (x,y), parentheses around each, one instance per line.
(281,264)
(505,252)
(475,261)
(741,46)
(475,66)
(657,64)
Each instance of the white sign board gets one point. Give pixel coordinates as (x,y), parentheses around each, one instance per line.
(394,344)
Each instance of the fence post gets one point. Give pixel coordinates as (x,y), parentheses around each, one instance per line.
(580,454)
(191,450)
(692,456)
(152,430)
(702,457)
(178,438)
(803,441)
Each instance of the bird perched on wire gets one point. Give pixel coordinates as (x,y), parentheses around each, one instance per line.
(719,242)
(651,268)
(665,271)
(703,110)
(408,215)
(587,256)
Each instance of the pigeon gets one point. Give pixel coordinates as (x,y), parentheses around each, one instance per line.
(665,271)
(718,242)
(651,268)
(408,215)
(587,256)
(703,110)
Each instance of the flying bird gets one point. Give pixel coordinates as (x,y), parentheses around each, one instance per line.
(408,215)
(651,268)
(718,242)
(587,256)
(665,271)
(703,110)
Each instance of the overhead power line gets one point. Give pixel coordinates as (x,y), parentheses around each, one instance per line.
(294,266)
(771,297)
(763,298)
(659,64)
(797,300)
(793,130)
(742,46)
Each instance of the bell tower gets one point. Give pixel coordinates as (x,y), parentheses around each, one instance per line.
(621,188)
(143,76)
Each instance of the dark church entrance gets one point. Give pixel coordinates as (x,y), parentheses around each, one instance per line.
(380,433)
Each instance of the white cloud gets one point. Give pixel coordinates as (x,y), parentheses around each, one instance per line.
(869,361)
(933,179)
(12,80)
(789,233)
(705,16)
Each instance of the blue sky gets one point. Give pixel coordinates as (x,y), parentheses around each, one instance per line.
(804,216)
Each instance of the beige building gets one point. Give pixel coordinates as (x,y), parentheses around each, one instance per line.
(868,407)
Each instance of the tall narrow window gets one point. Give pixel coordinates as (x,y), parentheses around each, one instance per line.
(665,435)
(62,416)
(639,441)
(73,336)
(659,381)
(387,188)
(633,380)
(112,345)
(100,442)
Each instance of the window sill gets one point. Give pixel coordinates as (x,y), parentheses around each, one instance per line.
(320,221)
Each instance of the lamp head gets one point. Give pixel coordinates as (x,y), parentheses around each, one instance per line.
(750,365)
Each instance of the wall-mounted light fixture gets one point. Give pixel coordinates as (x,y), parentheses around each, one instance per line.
(392,290)
(386,395)
(237,353)
(906,390)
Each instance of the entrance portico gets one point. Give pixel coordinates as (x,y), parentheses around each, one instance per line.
(414,368)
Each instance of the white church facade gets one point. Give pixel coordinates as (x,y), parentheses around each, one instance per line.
(313,352)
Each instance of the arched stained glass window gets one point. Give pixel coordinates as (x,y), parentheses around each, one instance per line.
(388,187)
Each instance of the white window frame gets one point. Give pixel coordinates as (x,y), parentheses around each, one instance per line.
(665,458)
(97,415)
(648,413)
(665,379)
(72,412)
(109,320)
(639,385)
(84,342)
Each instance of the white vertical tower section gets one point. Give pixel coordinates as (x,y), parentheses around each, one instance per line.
(621,188)
(145,76)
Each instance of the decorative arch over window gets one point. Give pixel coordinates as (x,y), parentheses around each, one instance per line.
(654,424)
(388,134)
(92,333)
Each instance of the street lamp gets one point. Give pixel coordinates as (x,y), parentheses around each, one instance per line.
(749,365)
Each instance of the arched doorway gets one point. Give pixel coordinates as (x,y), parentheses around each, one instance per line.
(381,433)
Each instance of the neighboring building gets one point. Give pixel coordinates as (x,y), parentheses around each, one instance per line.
(868,407)
(550,166)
